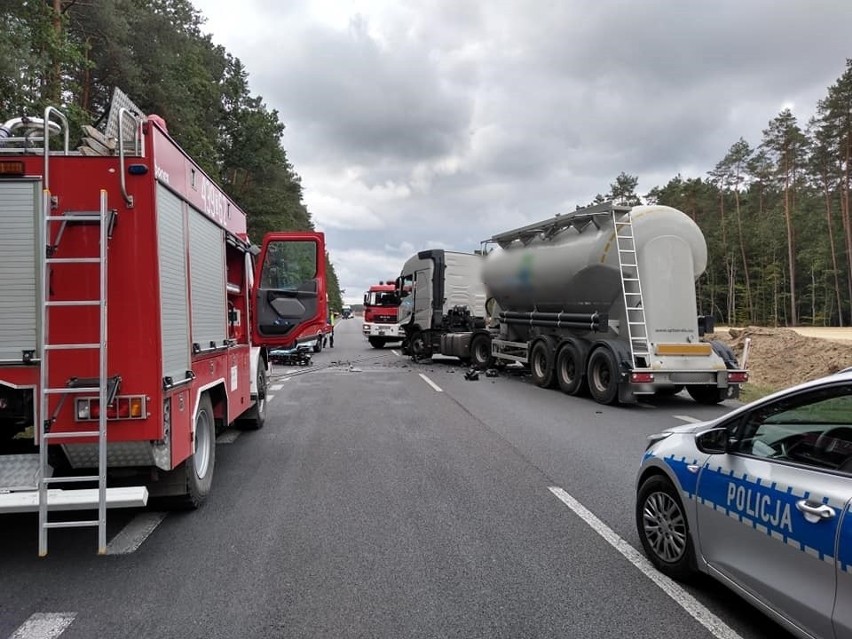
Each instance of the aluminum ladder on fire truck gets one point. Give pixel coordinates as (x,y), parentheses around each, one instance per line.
(631,286)
(100,385)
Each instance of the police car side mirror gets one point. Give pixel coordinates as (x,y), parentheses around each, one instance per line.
(713,442)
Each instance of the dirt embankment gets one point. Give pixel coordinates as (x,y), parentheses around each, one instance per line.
(782,357)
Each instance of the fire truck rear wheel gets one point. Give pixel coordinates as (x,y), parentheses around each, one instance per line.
(255,417)
(603,376)
(199,467)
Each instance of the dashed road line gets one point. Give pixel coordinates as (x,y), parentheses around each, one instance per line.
(269,398)
(396,352)
(277,387)
(135,533)
(687,419)
(44,625)
(431,383)
(690,604)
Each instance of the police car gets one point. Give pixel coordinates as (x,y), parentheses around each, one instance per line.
(761,499)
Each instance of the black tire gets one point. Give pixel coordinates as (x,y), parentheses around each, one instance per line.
(707,394)
(664,529)
(418,346)
(480,351)
(602,376)
(198,468)
(318,344)
(255,417)
(542,367)
(376,342)
(569,370)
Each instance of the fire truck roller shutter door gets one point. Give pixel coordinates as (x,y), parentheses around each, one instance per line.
(20,202)
(207,281)
(174,311)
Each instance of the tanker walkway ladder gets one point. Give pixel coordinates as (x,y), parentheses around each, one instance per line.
(106,389)
(631,286)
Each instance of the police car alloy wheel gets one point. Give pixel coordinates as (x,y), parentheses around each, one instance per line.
(663,528)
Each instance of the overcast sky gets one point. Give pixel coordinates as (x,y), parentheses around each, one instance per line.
(437,123)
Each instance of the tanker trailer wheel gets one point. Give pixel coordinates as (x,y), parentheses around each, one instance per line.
(542,364)
(707,394)
(198,468)
(569,370)
(480,351)
(603,376)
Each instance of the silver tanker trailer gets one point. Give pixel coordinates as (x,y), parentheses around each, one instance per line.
(600,300)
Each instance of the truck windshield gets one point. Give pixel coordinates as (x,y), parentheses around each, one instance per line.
(289,264)
(381,298)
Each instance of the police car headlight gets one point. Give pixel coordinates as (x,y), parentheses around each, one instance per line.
(658,437)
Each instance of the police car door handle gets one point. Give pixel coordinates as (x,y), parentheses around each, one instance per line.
(814,512)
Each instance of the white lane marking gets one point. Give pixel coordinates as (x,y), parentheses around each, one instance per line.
(269,398)
(686,601)
(135,533)
(230,436)
(431,383)
(276,387)
(687,419)
(44,625)
(396,352)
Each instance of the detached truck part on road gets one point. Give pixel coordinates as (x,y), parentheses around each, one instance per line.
(380,325)
(134,323)
(601,300)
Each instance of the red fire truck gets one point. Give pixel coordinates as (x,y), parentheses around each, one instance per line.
(136,317)
(380,315)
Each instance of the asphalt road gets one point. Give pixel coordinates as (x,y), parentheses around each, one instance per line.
(375,505)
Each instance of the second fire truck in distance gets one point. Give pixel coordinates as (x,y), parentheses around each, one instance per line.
(381,304)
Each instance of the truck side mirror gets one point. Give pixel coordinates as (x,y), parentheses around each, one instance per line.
(712,442)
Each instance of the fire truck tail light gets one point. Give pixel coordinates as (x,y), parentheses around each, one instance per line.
(738,377)
(123,407)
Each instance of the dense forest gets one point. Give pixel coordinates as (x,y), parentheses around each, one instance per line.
(775,212)
(74,52)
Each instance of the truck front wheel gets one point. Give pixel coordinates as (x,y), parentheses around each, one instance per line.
(418,346)
(255,417)
(376,342)
(480,351)
(603,376)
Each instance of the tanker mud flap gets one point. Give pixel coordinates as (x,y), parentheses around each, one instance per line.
(626,394)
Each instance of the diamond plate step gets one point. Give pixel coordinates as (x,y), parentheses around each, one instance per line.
(18,472)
